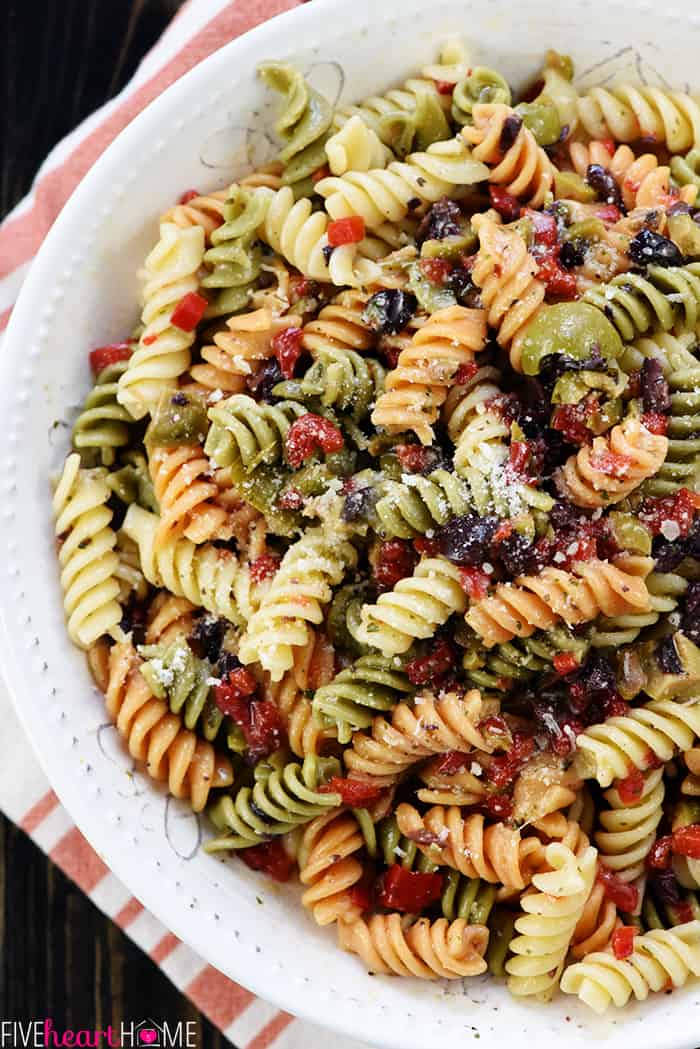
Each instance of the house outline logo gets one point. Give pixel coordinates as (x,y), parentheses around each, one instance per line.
(148,1035)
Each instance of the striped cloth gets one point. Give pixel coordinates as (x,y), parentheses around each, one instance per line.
(200,27)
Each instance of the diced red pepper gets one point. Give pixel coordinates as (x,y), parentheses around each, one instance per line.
(502,770)
(290,499)
(507,206)
(655,422)
(560,282)
(354,792)
(612,464)
(103,356)
(350,230)
(396,560)
(444,87)
(436,270)
(148,340)
(474,582)
(238,684)
(426,547)
(659,858)
(622,894)
(258,719)
(498,806)
(678,508)
(300,287)
(287,348)
(322,172)
(565,735)
(309,433)
(518,458)
(263,567)
(622,941)
(608,213)
(570,419)
(652,760)
(409,891)
(686,841)
(544,227)
(608,144)
(434,665)
(414,458)
(631,787)
(187,196)
(614,706)
(451,763)
(189,311)
(565,663)
(270,857)
(465,372)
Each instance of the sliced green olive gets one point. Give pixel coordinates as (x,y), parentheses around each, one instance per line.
(685,233)
(629,533)
(430,296)
(571,328)
(586,229)
(569,185)
(542,119)
(450,247)
(180,418)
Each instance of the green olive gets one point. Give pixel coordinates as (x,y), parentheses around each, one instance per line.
(180,418)
(562,64)
(571,328)
(586,229)
(686,170)
(685,233)
(570,388)
(431,297)
(450,247)
(542,119)
(604,418)
(661,685)
(571,186)
(480,85)
(629,533)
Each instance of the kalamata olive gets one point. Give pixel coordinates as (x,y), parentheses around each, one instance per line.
(359,503)
(262,382)
(517,554)
(649,248)
(600,179)
(388,312)
(667,655)
(208,633)
(509,131)
(442,220)
(655,393)
(573,253)
(466,540)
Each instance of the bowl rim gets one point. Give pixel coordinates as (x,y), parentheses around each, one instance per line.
(347,1020)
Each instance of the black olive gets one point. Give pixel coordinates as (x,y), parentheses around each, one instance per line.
(649,248)
(517,554)
(327,250)
(179,399)
(208,632)
(466,540)
(442,220)
(600,179)
(227,663)
(573,253)
(655,393)
(667,655)
(262,383)
(388,312)
(359,504)
(461,283)
(509,131)
(690,623)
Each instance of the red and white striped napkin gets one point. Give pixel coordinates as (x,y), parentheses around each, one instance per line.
(200,27)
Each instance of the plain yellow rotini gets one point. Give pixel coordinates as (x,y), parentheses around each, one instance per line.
(87,556)
(294,602)
(154,736)
(627,112)
(662,959)
(427,950)
(628,829)
(538,602)
(607,470)
(163,352)
(356,147)
(553,909)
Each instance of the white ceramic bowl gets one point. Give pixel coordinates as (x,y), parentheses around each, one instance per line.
(82,292)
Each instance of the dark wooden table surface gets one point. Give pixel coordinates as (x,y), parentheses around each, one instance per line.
(59,956)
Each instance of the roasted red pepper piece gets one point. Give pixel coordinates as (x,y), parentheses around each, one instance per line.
(103,356)
(409,891)
(269,857)
(622,894)
(354,792)
(189,311)
(350,230)
(287,348)
(622,941)
(310,433)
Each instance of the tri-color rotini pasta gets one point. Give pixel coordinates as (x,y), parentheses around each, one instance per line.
(381,529)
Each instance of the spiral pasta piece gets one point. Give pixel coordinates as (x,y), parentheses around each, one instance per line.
(163,352)
(240,350)
(660,729)
(155,736)
(628,112)
(103,424)
(132,581)
(205,210)
(537,602)
(596,924)
(329,868)
(87,557)
(629,828)
(350,700)
(281,799)
(312,670)
(507,275)
(168,618)
(636,304)
(506,664)
(417,387)
(356,147)
(612,466)
(510,150)
(206,575)
(295,600)
(340,379)
(660,958)
(247,431)
(340,326)
(430,726)
(417,504)
(299,234)
(414,609)
(428,950)
(411,113)
(186,494)
(691,783)
(547,927)
(495,853)
(665,588)
(385,194)
(644,182)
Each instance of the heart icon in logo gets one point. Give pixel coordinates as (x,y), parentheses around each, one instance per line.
(149,1036)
